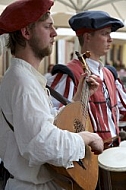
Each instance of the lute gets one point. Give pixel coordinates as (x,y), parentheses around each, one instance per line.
(84,174)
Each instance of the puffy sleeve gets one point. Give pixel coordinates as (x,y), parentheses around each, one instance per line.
(121,95)
(38,139)
(64,85)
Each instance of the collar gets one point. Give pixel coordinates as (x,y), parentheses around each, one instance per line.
(28,66)
(95,66)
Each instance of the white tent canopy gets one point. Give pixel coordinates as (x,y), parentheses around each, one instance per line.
(63,10)
(115,8)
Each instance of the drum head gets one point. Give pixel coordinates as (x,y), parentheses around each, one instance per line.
(113,159)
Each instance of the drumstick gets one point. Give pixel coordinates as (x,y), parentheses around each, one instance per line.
(110,139)
(122,135)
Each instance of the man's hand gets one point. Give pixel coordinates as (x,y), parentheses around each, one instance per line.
(93,140)
(93,85)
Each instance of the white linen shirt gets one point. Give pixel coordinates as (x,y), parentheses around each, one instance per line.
(96,68)
(35,141)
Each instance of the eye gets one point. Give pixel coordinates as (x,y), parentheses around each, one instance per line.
(106,33)
(47,26)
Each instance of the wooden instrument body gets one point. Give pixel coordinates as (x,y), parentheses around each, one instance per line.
(71,119)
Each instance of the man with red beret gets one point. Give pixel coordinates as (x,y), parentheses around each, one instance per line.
(28,137)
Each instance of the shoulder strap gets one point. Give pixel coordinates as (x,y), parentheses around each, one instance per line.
(12,128)
(54,93)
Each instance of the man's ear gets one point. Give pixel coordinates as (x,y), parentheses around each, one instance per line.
(86,36)
(25,33)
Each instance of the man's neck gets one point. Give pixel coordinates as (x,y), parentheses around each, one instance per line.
(28,57)
(93,56)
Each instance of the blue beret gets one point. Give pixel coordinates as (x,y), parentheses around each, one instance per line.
(93,20)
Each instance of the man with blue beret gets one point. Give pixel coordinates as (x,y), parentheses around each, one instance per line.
(93,29)
(29,140)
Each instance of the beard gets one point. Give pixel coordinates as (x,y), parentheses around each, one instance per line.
(39,52)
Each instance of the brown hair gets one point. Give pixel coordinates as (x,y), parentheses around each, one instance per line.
(81,38)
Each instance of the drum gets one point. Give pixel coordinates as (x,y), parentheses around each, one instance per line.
(123,144)
(112,169)
(122,125)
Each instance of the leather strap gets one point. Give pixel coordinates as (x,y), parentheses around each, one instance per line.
(12,128)
(58,96)
(54,93)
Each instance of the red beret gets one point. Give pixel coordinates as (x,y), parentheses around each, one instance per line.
(21,13)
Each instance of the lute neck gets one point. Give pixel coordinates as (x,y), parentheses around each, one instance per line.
(85,90)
